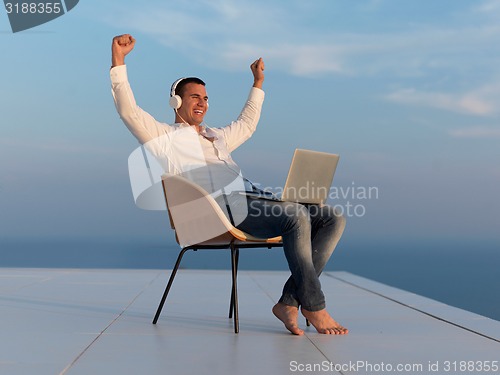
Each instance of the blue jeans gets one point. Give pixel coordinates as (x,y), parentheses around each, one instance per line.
(310,234)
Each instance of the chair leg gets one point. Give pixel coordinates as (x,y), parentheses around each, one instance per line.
(234,265)
(231,303)
(170,281)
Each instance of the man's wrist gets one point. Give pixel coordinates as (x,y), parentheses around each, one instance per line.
(117,60)
(258,84)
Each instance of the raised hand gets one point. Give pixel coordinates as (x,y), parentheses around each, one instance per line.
(121,47)
(257,68)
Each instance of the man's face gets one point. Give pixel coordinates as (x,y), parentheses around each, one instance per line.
(194,104)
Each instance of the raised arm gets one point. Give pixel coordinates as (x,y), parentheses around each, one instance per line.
(140,123)
(242,129)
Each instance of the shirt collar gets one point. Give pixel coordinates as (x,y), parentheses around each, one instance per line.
(204,130)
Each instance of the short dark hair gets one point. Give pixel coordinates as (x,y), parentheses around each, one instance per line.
(179,90)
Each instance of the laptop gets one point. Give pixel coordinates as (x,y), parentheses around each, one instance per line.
(309,178)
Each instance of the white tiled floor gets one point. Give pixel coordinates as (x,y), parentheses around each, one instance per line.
(99,322)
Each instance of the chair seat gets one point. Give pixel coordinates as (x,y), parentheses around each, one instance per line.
(242,239)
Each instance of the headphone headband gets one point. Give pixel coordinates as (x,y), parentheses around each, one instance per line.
(175,84)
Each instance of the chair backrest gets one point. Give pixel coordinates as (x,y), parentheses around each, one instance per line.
(194,213)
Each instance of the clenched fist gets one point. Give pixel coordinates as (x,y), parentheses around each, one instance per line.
(257,68)
(121,47)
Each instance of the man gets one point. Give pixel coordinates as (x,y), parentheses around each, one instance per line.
(310,232)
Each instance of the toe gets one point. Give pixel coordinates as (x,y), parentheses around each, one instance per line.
(295,330)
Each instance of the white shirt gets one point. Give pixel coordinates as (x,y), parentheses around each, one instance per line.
(179,148)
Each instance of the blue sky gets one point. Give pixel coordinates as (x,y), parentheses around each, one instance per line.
(406,92)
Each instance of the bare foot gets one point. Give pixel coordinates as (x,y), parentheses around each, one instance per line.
(323,322)
(288,315)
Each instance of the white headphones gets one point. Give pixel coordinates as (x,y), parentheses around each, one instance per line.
(175,100)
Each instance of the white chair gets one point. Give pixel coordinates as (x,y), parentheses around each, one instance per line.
(200,224)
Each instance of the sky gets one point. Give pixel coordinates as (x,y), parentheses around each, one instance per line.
(406,92)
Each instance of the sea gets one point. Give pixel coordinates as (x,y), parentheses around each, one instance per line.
(464,274)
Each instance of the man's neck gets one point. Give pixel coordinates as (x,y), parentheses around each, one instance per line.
(180,120)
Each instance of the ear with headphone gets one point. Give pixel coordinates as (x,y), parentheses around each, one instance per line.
(175,100)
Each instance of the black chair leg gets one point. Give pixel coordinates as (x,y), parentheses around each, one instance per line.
(234,265)
(170,281)
(231,303)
